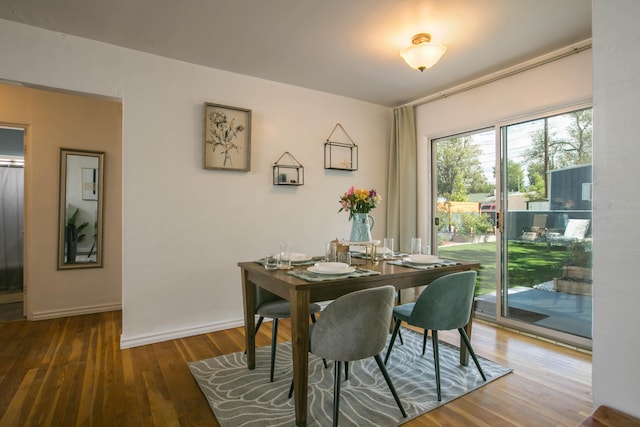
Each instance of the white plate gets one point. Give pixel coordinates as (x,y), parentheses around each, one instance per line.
(346,270)
(423,259)
(328,266)
(296,257)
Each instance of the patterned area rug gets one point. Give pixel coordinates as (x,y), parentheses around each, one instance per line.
(240,397)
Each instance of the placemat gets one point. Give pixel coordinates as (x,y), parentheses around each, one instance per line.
(310,276)
(295,263)
(444,263)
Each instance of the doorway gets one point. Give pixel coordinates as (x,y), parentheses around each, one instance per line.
(546,237)
(517,198)
(11,224)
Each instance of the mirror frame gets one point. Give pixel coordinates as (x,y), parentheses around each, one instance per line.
(62,208)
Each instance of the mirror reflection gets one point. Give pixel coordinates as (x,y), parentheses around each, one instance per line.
(80,233)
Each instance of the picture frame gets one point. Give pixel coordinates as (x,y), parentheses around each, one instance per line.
(227,138)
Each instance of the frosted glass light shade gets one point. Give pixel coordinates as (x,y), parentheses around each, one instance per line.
(422,54)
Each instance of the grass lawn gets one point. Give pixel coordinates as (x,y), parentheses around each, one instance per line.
(529,263)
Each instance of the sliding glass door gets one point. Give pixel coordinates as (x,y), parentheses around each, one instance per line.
(546,235)
(465,209)
(517,198)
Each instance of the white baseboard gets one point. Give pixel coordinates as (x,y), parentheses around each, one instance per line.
(76,311)
(135,341)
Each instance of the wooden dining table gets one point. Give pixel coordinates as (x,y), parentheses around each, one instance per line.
(300,293)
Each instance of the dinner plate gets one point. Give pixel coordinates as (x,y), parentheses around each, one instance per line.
(344,270)
(328,266)
(297,257)
(423,259)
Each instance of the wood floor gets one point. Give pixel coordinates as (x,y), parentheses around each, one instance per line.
(71,372)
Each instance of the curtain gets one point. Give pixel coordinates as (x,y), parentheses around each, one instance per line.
(11,226)
(402,206)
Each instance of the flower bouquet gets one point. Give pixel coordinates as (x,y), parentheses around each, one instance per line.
(358,200)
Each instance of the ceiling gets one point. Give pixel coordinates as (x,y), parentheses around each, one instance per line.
(346,47)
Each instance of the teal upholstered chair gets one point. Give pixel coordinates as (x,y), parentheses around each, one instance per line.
(353,327)
(444,305)
(273,307)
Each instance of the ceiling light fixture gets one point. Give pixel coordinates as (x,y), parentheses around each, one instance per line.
(422,54)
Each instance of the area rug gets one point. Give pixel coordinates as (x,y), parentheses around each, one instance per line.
(242,397)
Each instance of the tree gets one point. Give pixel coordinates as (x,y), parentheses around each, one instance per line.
(575,148)
(537,188)
(459,192)
(515,176)
(459,168)
(549,150)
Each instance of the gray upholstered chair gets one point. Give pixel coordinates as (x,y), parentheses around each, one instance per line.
(443,305)
(353,327)
(273,307)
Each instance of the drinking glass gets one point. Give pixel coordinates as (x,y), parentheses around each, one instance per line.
(416,245)
(344,257)
(387,247)
(271,261)
(284,258)
(331,252)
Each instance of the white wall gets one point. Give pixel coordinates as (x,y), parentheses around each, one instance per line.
(185,228)
(616,235)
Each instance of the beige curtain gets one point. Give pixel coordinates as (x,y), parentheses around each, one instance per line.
(402,208)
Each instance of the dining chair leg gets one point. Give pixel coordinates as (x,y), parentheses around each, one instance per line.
(274,342)
(258,323)
(336,392)
(424,341)
(465,338)
(436,361)
(393,338)
(385,374)
(399,302)
(346,371)
(255,331)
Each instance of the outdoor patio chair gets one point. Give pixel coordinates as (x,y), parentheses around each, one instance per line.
(537,230)
(575,231)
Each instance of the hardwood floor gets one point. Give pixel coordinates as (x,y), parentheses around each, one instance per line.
(71,372)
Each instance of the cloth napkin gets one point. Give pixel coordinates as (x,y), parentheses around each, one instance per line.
(310,276)
(443,263)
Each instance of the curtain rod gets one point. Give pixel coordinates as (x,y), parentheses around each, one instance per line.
(507,72)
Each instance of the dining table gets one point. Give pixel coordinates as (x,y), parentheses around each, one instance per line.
(289,285)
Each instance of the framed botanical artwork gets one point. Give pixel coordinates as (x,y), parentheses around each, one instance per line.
(227,137)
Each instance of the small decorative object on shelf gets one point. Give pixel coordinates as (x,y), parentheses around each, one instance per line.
(340,155)
(288,171)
